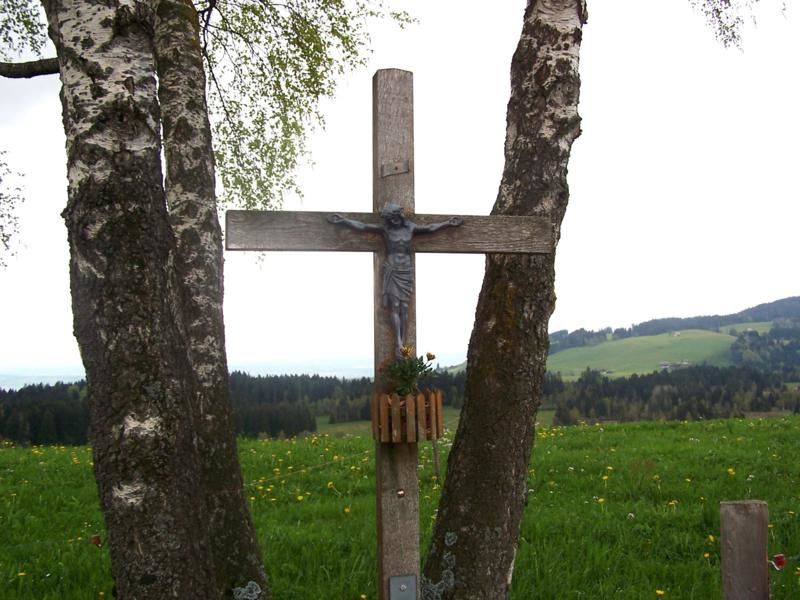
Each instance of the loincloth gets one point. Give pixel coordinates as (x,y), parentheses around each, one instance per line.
(398,282)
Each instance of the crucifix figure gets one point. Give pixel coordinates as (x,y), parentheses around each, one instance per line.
(390,236)
(398,270)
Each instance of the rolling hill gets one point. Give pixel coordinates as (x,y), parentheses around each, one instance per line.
(644,354)
(652,345)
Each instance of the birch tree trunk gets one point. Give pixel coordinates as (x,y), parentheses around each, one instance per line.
(147,299)
(472,550)
(190,187)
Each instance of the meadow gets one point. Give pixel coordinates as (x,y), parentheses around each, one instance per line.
(643,354)
(614,511)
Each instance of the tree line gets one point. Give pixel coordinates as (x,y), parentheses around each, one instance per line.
(699,392)
(271,405)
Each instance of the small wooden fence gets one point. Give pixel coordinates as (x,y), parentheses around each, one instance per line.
(407,419)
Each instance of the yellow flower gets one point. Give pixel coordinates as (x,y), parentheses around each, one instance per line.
(601,500)
(300,498)
(330,485)
(347,510)
(706,555)
(731,471)
(604,477)
(661,593)
(21,574)
(711,538)
(406,351)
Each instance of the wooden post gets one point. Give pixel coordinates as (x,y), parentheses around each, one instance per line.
(743,537)
(393,180)
(395,464)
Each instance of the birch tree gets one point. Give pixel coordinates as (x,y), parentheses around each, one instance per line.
(146,254)
(474,542)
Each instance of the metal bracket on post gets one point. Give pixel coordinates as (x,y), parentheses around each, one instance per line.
(403,587)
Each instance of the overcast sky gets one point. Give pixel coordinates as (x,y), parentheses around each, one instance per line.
(684,187)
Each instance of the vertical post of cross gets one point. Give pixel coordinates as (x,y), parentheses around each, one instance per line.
(395,464)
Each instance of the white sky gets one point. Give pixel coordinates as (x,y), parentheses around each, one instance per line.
(684,187)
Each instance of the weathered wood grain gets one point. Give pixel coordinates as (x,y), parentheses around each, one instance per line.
(395,464)
(310,231)
(743,544)
(411,418)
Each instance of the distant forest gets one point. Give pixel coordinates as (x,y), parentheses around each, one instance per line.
(272,405)
(286,405)
(701,392)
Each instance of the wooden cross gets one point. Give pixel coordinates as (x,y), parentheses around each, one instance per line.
(393,181)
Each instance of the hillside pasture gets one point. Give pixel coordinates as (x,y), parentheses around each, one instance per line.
(644,354)
(613,511)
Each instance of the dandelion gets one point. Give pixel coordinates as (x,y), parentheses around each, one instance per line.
(601,500)
(347,510)
(661,593)
(731,471)
(711,538)
(706,555)
(21,574)
(300,498)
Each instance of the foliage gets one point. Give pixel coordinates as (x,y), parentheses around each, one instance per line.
(404,374)
(269,64)
(22,28)
(702,392)
(614,511)
(726,17)
(10,198)
(775,351)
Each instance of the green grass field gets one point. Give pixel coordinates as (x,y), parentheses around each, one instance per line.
(643,354)
(617,511)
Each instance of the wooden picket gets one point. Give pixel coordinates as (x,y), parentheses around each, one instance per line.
(408,419)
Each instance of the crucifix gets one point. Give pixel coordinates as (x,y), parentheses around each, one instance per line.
(394,314)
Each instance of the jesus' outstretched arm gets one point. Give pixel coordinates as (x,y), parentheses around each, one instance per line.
(338,219)
(451,222)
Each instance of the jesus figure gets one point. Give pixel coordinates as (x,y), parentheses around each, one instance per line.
(398,272)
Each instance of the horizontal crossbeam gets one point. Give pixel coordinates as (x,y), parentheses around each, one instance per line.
(310,231)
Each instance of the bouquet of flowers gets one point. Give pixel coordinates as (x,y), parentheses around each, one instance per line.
(403,374)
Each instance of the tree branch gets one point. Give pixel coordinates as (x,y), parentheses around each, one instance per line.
(34,68)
